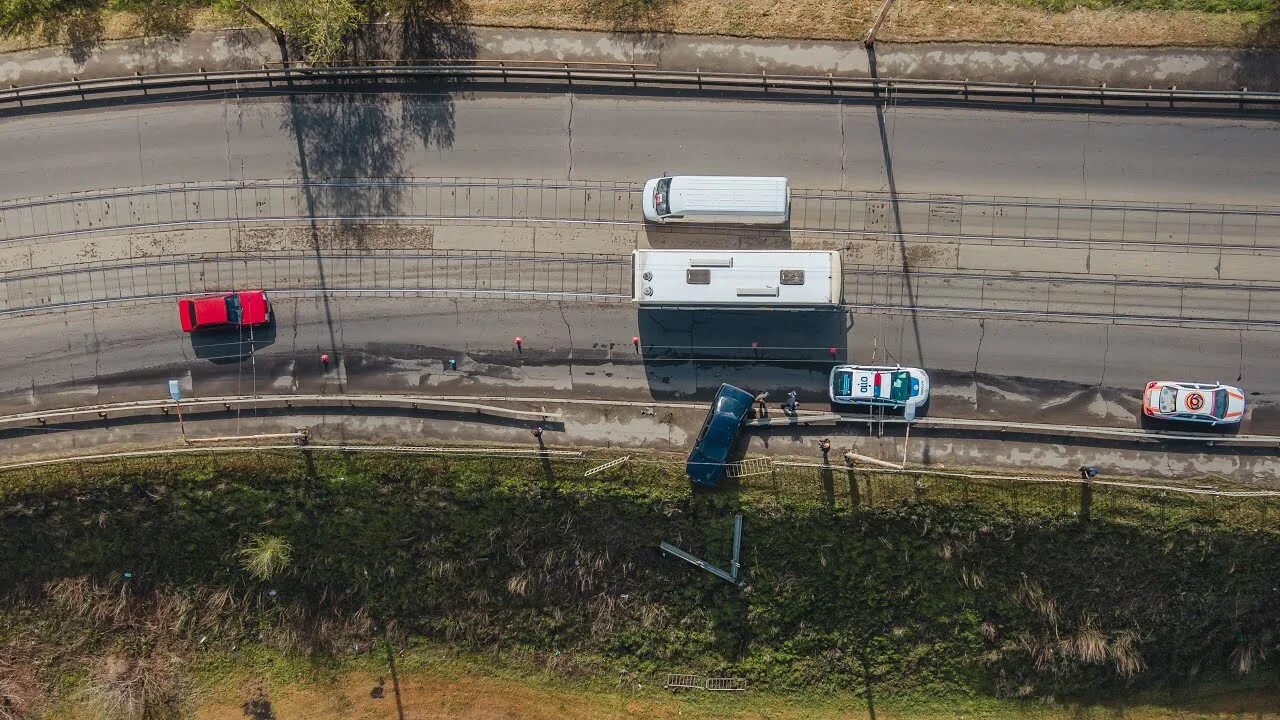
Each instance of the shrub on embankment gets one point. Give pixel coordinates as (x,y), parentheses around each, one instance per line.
(119,571)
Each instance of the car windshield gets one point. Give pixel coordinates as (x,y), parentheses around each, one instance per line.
(842,385)
(1168,399)
(233,309)
(1219,403)
(191,313)
(662,197)
(900,389)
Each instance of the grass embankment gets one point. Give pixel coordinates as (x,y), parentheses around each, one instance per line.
(1125,23)
(140,584)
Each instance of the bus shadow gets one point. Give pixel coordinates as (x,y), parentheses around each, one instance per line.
(716,237)
(687,354)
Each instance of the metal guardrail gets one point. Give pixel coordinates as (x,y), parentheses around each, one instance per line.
(480,405)
(406,62)
(158,85)
(505,452)
(108,411)
(1004,427)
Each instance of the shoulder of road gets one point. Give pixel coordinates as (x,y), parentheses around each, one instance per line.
(242,48)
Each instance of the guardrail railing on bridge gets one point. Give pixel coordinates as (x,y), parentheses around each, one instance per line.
(633,76)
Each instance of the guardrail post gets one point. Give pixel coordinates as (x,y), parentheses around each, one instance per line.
(1102,94)
(1033,91)
(1243,91)
(1086,495)
(1172,88)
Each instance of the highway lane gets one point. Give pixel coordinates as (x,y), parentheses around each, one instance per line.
(607,276)
(452,274)
(587,136)
(984,368)
(963,219)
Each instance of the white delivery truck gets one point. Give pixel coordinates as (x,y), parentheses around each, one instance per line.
(717,199)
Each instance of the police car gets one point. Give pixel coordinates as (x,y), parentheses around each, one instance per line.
(1211,403)
(878,386)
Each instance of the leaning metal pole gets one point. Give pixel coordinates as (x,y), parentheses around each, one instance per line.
(732,575)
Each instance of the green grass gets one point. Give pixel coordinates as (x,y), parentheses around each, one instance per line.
(979,593)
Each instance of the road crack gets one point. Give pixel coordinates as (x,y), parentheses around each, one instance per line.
(570,133)
(840,109)
(1240,373)
(569,329)
(1084,155)
(1106,350)
(977,354)
(977,357)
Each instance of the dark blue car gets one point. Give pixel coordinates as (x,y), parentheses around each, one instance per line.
(719,431)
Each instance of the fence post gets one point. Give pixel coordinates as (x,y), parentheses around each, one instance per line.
(870,38)
(1086,499)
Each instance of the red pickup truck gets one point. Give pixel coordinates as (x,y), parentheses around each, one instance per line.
(233,309)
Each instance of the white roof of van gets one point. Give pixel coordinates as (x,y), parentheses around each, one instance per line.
(728,195)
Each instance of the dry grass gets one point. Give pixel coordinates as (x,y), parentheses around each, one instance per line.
(21,693)
(909,21)
(129,687)
(125,25)
(956,20)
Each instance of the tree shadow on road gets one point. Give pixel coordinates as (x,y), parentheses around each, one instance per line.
(363,132)
(1258,66)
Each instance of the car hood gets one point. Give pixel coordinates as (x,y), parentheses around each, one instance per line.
(1235,404)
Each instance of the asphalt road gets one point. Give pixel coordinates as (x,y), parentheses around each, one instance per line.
(817,144)
(578,349)
(1015,369)
(1083,373)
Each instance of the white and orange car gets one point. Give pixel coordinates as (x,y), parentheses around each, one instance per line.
(1210,403)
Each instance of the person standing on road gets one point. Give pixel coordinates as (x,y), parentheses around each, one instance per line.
(760,401)
(792,406)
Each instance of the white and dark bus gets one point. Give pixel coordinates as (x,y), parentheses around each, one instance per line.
(726,278)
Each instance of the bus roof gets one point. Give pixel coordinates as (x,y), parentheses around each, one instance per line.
(737,277)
